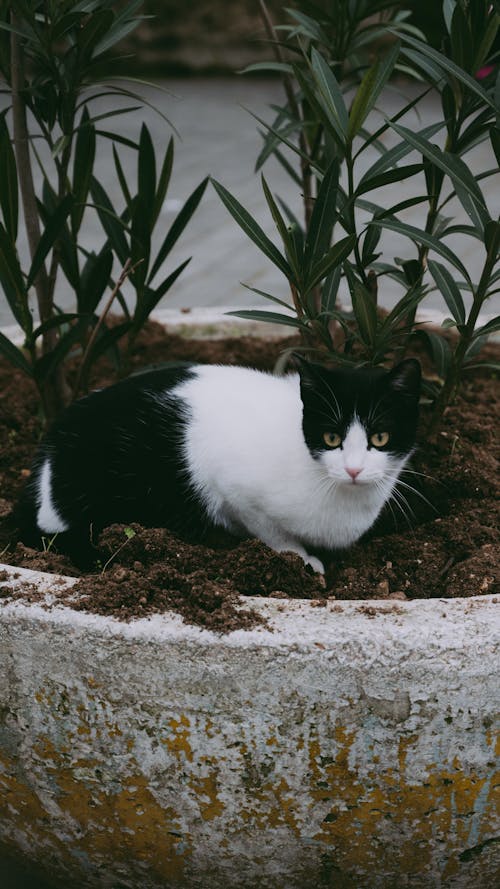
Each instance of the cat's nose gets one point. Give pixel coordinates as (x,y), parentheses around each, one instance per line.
(353,472)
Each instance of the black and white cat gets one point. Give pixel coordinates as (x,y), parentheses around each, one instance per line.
(301,461)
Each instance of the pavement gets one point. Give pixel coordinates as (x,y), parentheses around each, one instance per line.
(219,136)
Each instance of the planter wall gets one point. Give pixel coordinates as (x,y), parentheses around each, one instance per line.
(350,745)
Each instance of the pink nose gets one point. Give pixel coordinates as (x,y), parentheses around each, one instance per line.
(353,472)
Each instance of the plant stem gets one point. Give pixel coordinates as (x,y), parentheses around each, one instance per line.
(295,108)
(54,393)
(28,196)
(83,370)
(449,388)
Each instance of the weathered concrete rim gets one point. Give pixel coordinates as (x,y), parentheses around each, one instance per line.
(209,320)
(434,623)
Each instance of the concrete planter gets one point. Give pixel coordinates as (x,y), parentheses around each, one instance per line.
(351,745)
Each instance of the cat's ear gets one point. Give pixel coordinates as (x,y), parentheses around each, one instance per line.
(405,377)
(308,371)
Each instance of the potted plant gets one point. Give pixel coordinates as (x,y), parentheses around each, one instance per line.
(318,742)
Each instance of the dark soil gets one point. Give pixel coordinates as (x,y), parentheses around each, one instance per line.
(441,542)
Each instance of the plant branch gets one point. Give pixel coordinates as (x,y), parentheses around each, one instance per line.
(54,394)
(28,195)
(127,269)
(295,109)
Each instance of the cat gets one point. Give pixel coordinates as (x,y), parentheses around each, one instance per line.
(303,461)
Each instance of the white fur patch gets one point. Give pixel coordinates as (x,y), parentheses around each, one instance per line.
(48,519)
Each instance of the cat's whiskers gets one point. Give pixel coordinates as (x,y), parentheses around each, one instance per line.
(325,484)
(431,478)
(399,482)
(372,417)
(401,502)
(334,412)
(334,397)
(329,417)
(389,505)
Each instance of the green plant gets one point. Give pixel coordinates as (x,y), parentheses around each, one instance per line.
(335,65)
(50,56)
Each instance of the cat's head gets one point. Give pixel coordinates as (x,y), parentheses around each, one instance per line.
(360,423)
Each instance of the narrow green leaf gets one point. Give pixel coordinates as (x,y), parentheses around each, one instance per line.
(397,153)
(282,67)
(448,10)
(449,289)
(369,90)
(49,237)
(170,280)
(115,36)
(334,257)
(122,179)
(146,172)
(487,41)
(440,350)
(370,242)
(14,355)
(475,346)
(323,216)
(93,29)
(59,320)
(47,364)
(8,182)
(284,231)
(268,317)
(330,95)
(281,138)
(106,342)
(365,312)
(111,223)
(422,237)
(163,180)
(178,226)
(125,91)
(403,308)
(95,279)
(448,66)
(492,239)
(466,186)
(388,177)
(495,142)
(83,166)
(330,290)
(66,244)
(252,229)
(274,299)
(461,42)
(12,280)
(488,328)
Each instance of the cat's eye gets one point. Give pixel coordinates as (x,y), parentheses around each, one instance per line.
(332,439)
(379,439)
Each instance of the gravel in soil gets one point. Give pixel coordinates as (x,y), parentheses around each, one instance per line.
(439,539)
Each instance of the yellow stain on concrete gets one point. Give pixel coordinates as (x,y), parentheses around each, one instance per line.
(271,805)
(206,789)
(383,814)
(387,803)
(125,825)
(178,741)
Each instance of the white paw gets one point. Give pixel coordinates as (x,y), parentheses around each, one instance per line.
(315,564)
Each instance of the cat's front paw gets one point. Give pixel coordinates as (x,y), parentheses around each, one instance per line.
(315,564)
